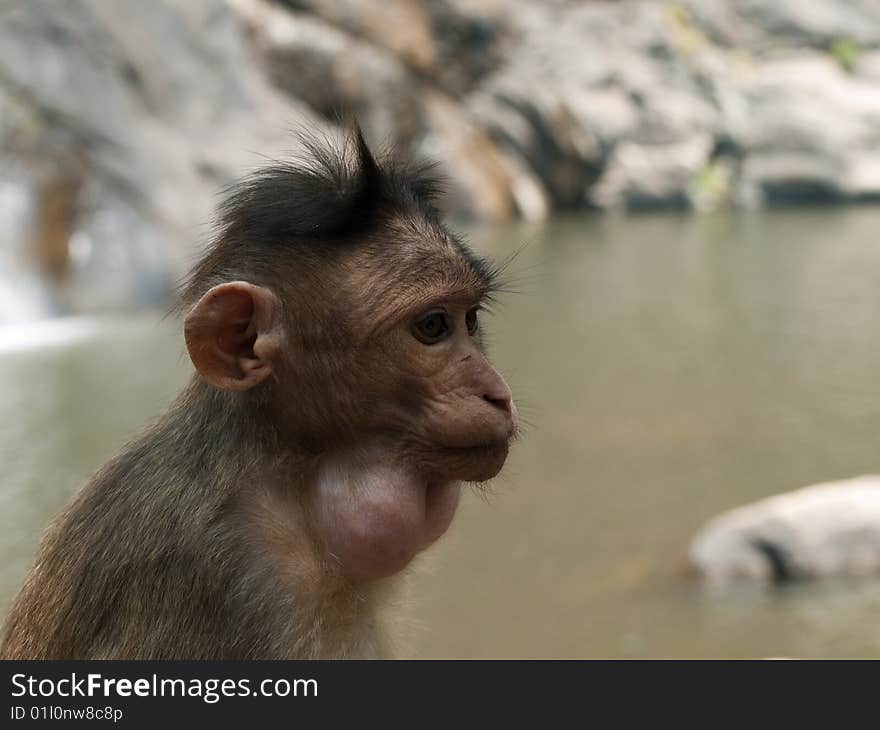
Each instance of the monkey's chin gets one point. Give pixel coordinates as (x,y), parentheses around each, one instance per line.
(479,463)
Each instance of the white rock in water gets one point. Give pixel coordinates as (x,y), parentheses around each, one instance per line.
(822,530)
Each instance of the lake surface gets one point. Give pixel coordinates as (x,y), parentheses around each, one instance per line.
(670,367)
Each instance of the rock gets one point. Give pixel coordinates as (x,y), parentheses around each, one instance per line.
(639,176)
(402,27)
(473,38)
(815,131)
(600,89)
(119,120)
(332,71)
(867,67)
(816,23)
(540,129)
(488,183)
(119,152)
(818,531)
(450,43)
(601,98)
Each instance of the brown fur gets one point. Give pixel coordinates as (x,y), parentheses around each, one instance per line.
(316,451)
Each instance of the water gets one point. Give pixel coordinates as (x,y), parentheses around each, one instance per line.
(670,367)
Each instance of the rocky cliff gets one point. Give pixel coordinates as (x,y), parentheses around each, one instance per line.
(119,120)
(536,106)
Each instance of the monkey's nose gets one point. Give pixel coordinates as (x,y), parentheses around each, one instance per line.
(500,402)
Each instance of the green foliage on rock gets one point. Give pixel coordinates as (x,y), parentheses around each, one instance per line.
(846,52)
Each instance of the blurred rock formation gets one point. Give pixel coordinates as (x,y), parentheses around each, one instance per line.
(118,123)
(830,529)
(119,120)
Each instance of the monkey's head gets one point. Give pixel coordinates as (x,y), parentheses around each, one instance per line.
(337,308)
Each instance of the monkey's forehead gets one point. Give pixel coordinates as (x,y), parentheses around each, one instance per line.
(410,278)
(429,276)
(418,253)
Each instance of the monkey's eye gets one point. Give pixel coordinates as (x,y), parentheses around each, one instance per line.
(470,319)
(432,328)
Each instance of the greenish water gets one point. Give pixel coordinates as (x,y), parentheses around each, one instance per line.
(671,367)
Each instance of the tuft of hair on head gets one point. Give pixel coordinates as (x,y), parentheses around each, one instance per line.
(333,192)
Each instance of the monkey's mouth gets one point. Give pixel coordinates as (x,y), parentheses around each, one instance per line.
(484,447)
(478,462)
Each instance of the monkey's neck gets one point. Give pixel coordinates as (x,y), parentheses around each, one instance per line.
(368,510)
(331,529)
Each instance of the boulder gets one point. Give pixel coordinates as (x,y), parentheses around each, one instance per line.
(488,183)
(448,43)
(598,95)
(120,120)
(814,131)
(652,175)
(828,529)
(816,23)
(337,65)
(333,72)
(118,123)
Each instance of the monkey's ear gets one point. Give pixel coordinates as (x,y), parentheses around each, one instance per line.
(234,335)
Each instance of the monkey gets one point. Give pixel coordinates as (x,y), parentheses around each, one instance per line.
(340,398)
